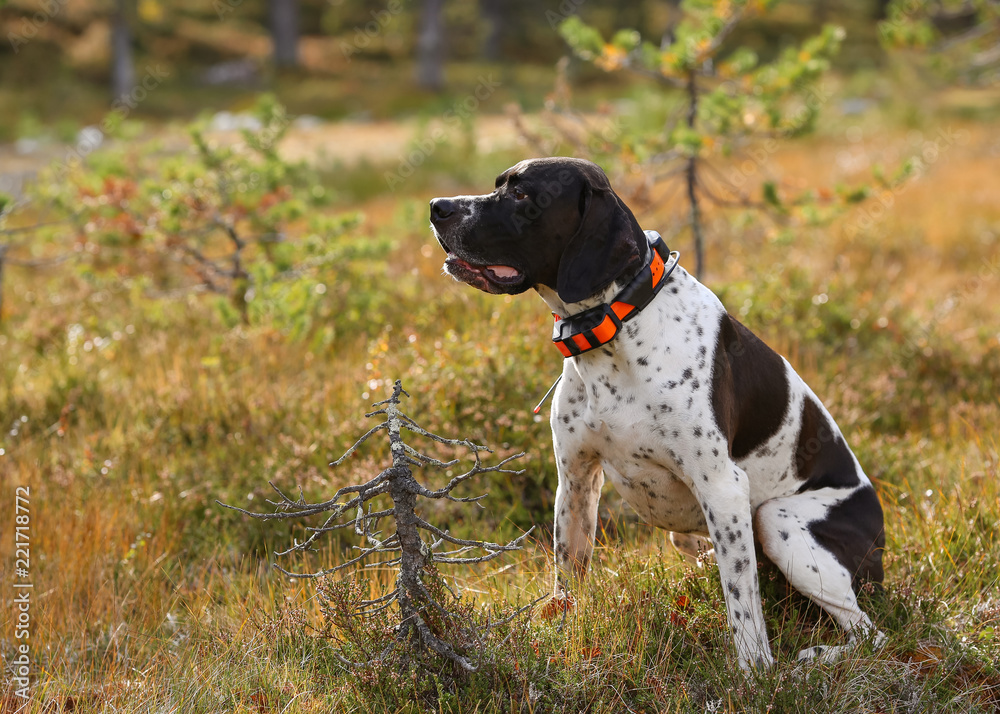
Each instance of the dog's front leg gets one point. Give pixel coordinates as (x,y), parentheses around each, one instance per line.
(725,500)
(577,498)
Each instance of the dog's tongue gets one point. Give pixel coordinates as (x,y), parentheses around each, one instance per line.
(504,272)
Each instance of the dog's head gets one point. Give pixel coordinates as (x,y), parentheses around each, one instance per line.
(553,222)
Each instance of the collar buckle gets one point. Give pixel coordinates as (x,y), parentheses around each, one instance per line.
(586,330)
(599,325)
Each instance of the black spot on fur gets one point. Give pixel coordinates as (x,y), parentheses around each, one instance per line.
(854,532)
(749,388)
(822,458)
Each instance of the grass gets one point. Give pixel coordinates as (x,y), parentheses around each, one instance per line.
(128,417)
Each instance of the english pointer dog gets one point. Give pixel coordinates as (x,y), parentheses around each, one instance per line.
(701,427)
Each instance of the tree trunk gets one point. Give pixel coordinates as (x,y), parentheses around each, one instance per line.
(691,178)
(284,18)
(430,46)
(493,13)
(122,62)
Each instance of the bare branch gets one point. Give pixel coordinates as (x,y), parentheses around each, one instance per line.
(388,597)
(478,468)
(446,536)
(300,576)
(415,559)
(422,459)
(441,647)
(359,442)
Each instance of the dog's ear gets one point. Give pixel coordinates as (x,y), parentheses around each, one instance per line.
(607,243)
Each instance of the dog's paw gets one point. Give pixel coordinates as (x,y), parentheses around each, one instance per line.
(820,653)
(556,606)
(831,653)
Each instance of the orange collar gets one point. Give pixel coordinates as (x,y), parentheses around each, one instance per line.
(599,325)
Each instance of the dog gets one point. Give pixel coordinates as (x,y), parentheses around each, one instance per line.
(702,428)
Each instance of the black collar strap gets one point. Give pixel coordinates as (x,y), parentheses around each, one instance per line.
(599,325)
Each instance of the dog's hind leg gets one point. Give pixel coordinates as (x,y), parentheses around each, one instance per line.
(827,542)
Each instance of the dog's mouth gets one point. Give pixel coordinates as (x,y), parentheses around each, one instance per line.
(488,278)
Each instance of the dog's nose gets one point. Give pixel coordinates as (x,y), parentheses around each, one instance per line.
(442,209)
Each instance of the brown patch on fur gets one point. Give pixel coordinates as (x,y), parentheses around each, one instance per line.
(749,388)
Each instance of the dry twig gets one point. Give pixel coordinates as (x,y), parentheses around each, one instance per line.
(425,623)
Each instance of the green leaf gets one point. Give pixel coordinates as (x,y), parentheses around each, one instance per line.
(585,40)
(688,141)
(626,40)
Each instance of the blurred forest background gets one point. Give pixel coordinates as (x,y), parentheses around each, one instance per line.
(215,255)
(62,61)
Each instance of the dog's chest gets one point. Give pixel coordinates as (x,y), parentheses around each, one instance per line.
(636,428)
(643,406)
(649,478)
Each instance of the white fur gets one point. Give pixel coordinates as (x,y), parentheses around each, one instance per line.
(627,411)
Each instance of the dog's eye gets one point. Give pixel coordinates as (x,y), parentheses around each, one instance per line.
(518,194)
